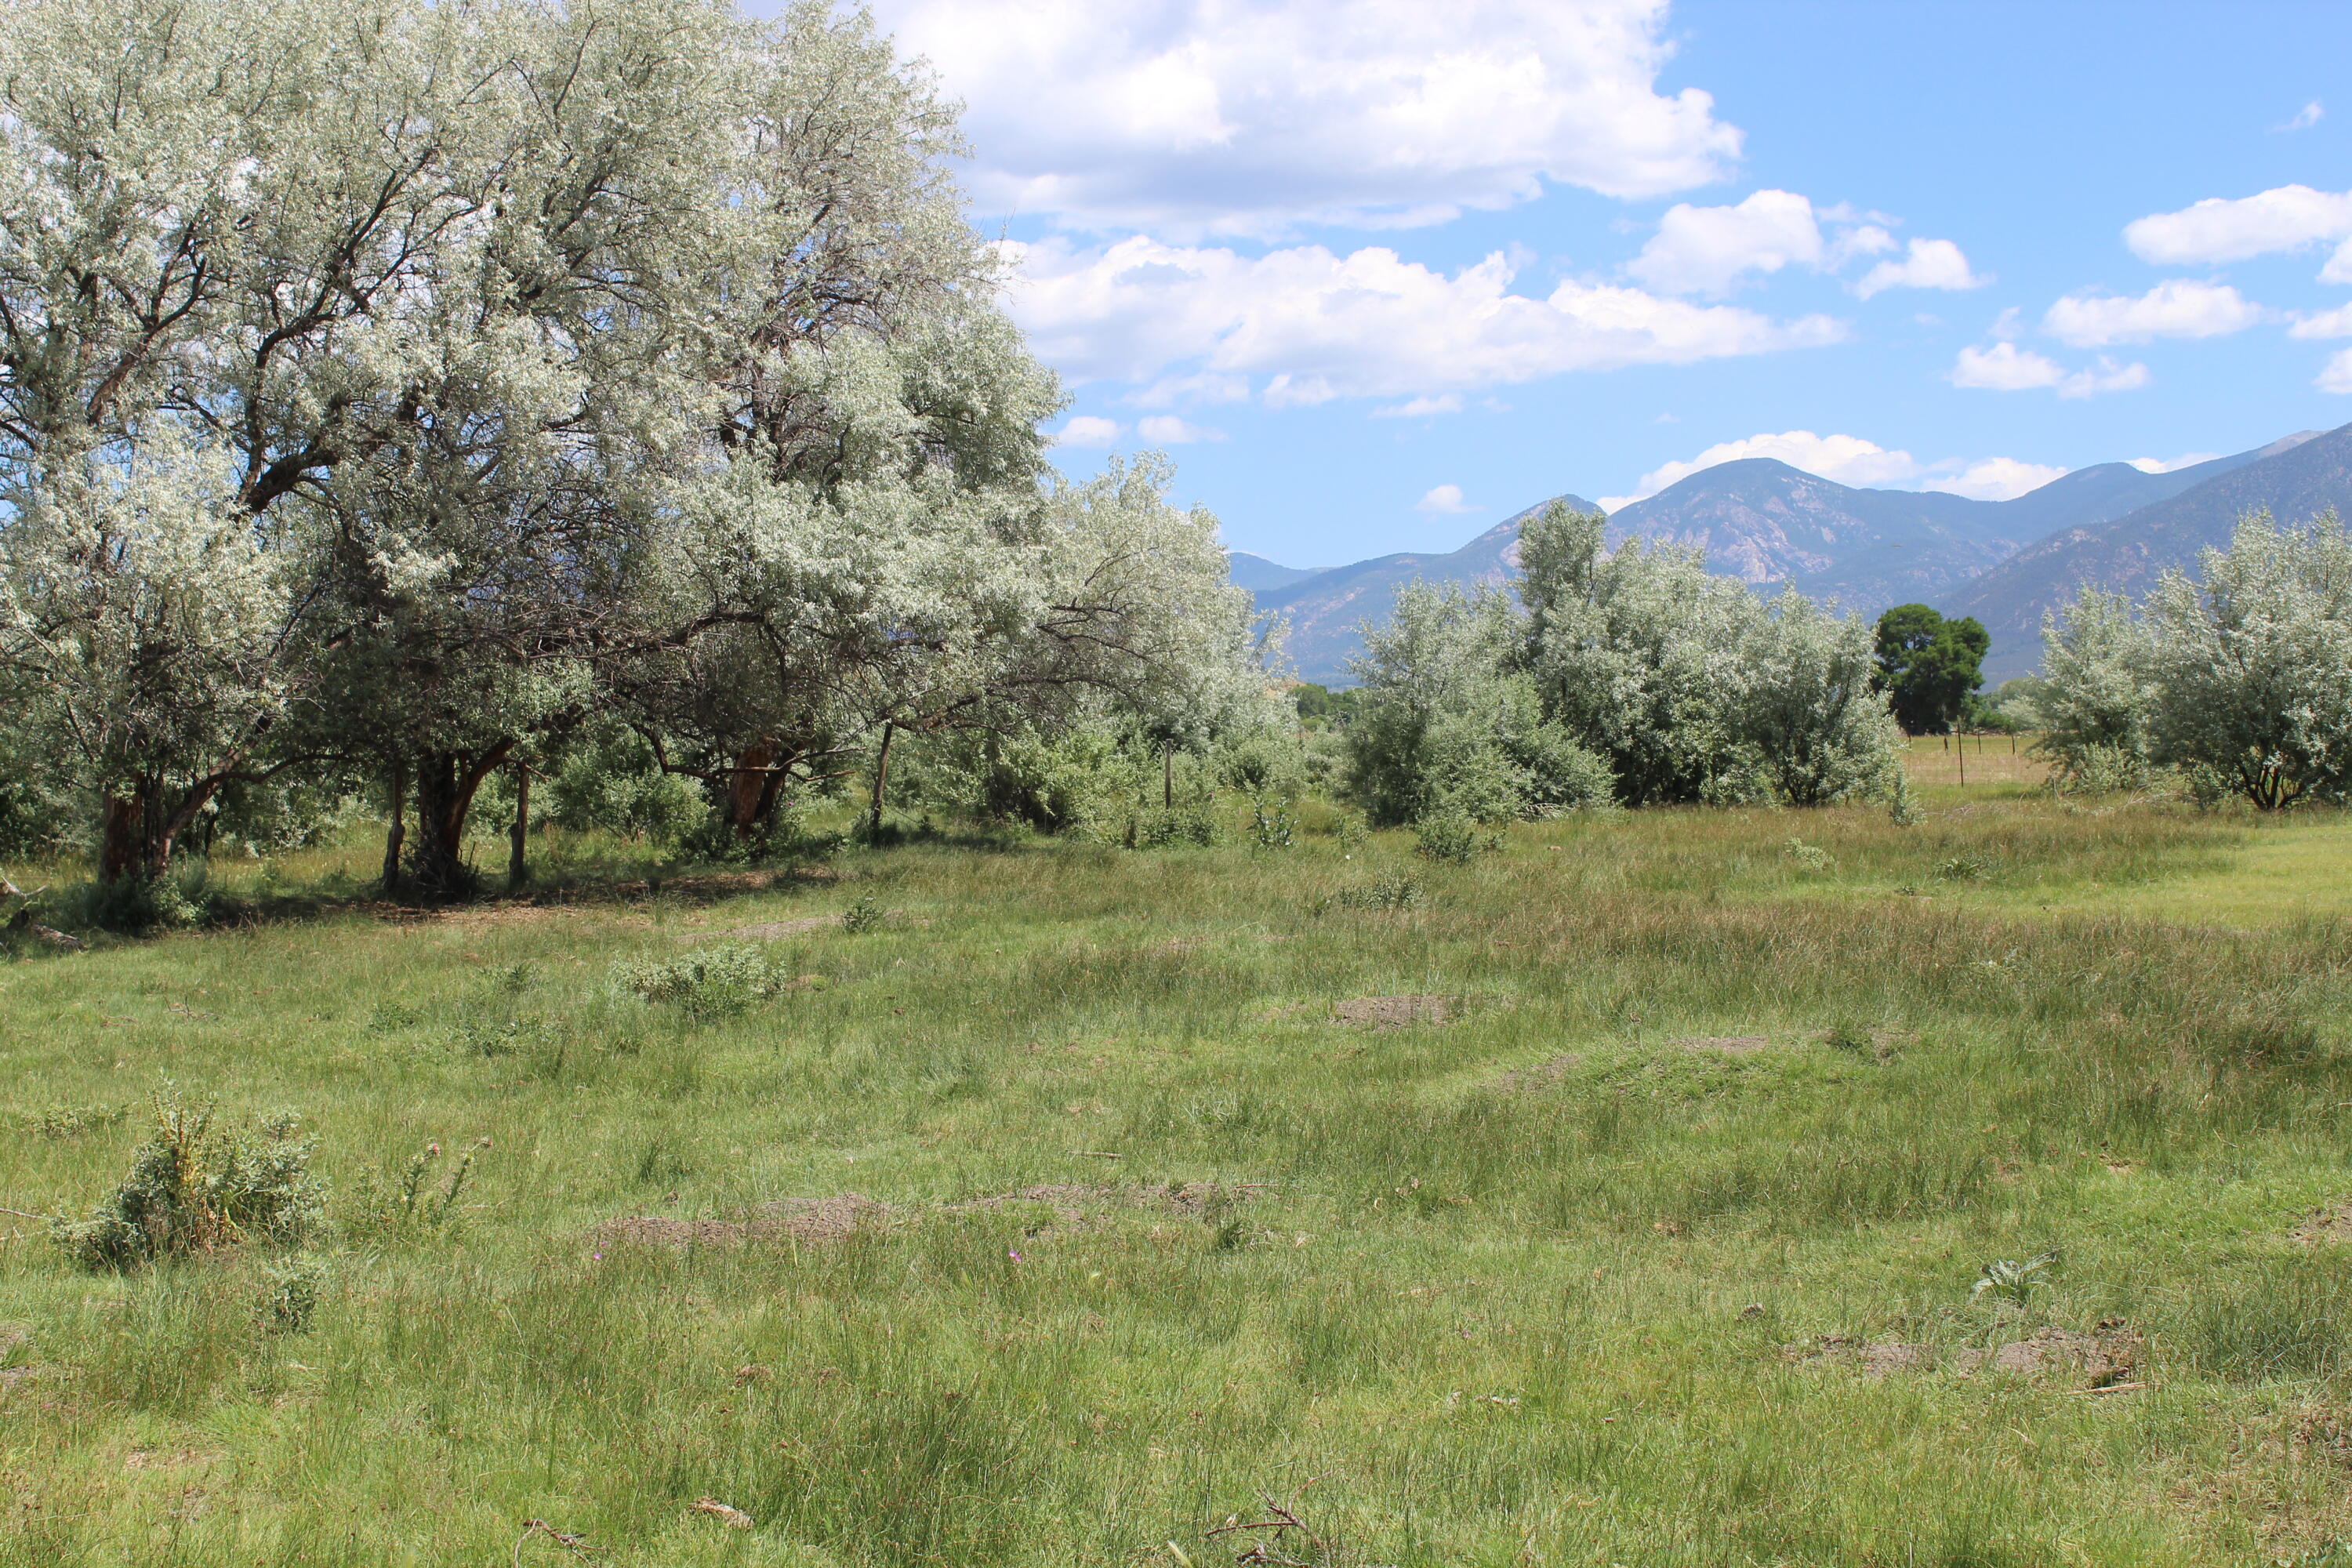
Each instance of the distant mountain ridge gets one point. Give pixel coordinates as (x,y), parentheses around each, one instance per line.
(1768,523)
(2293,478)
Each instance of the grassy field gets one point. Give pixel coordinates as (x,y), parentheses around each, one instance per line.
(1616,1199)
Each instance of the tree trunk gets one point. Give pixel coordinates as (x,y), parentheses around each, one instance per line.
(1168,777)
(120,833)
(518,841)
(396,835)
(446,785)
(881,778)
(751,791)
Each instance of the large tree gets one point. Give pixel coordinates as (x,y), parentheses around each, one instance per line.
(1927,666)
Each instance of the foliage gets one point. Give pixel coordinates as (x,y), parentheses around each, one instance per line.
(2010,1282)
(864,915)
(1452,836)
(1929,665)
(2097,693)
(718,982)
(291,1297)
(611,780)
(1448,725)
(197,1186)
(1807,709)
(413,1204)
(2250,666)
(1319,707)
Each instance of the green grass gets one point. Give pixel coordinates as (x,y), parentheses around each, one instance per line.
(1482,1301)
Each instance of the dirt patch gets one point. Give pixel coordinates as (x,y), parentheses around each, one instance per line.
(2109,1357)
(1542,1076)
(1395,1011)
(767,931)
(841,1216)
(1723,1045)
(2330,1222)
(1872,1358)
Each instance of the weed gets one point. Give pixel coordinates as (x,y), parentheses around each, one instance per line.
(289,1298)
(1272,825)
(719,982)
(413,1204)
(1901,806)
(1808,856)
(59,1121)
(1962,868)
(196,1186)
(2011,1283)
(1453,838)
(1390,893)
(864,916)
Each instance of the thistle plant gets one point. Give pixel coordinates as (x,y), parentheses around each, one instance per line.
(2011,1283)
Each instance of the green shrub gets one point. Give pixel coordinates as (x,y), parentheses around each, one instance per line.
(1453,837)
(196,1187)
(289,1298)
(716,983)
(413,1204)
(863,916)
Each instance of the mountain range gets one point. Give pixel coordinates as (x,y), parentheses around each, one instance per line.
(2112,525)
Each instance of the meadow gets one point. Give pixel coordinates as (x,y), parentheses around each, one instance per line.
(1615,1198)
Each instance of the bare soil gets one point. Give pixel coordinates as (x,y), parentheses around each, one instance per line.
(1395,1011)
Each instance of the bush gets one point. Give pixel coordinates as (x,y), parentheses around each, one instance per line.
(717,982)
(290,1296)
(613,783)
(196,1187)
(1453,837)
(1272,825)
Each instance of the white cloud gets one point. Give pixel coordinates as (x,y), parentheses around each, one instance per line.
(2336,323)
(2176,308)
(2336,375)
(1250,117)
(2309,115)
(1848,460)
(1319,325)
(1851,460)
(1701,250)
(1993,479)
(2219,228)
(1421,407)
(2166,465)
(2005,367)
(1090,430)
(1707,250)
(1167,430)
(1444,500)
(1926,264)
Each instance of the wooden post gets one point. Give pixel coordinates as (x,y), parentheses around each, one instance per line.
(1964,762)
(1168,776)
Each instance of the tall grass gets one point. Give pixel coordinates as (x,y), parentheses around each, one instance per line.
(1515,1288)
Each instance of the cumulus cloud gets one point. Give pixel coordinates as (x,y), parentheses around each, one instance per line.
(1421,407)
(1250,117)
(1926,264)
(2176,308)
(1443,500)
(1852,460)
(1167,430)
(2166,465)
(2219,228)
(2005,367)
(1707,251)
(1701,250)
(1090,430)
(2336,323)
(2336,375)
(1992,478)
(1316,325)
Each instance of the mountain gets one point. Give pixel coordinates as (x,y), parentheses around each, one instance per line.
(1325,608)
(1768,523)
(1260,575)
(2293,479)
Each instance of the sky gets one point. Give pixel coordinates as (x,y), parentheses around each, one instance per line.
(1378,275)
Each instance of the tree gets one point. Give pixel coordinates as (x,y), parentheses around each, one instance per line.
(2251,665)
(1447,721)
(2096,692)
(1808,706)
(1636,654)
(1929,665)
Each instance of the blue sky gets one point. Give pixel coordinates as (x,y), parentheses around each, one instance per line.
(1378,275)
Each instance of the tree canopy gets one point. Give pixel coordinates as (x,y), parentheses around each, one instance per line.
(1929,665)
